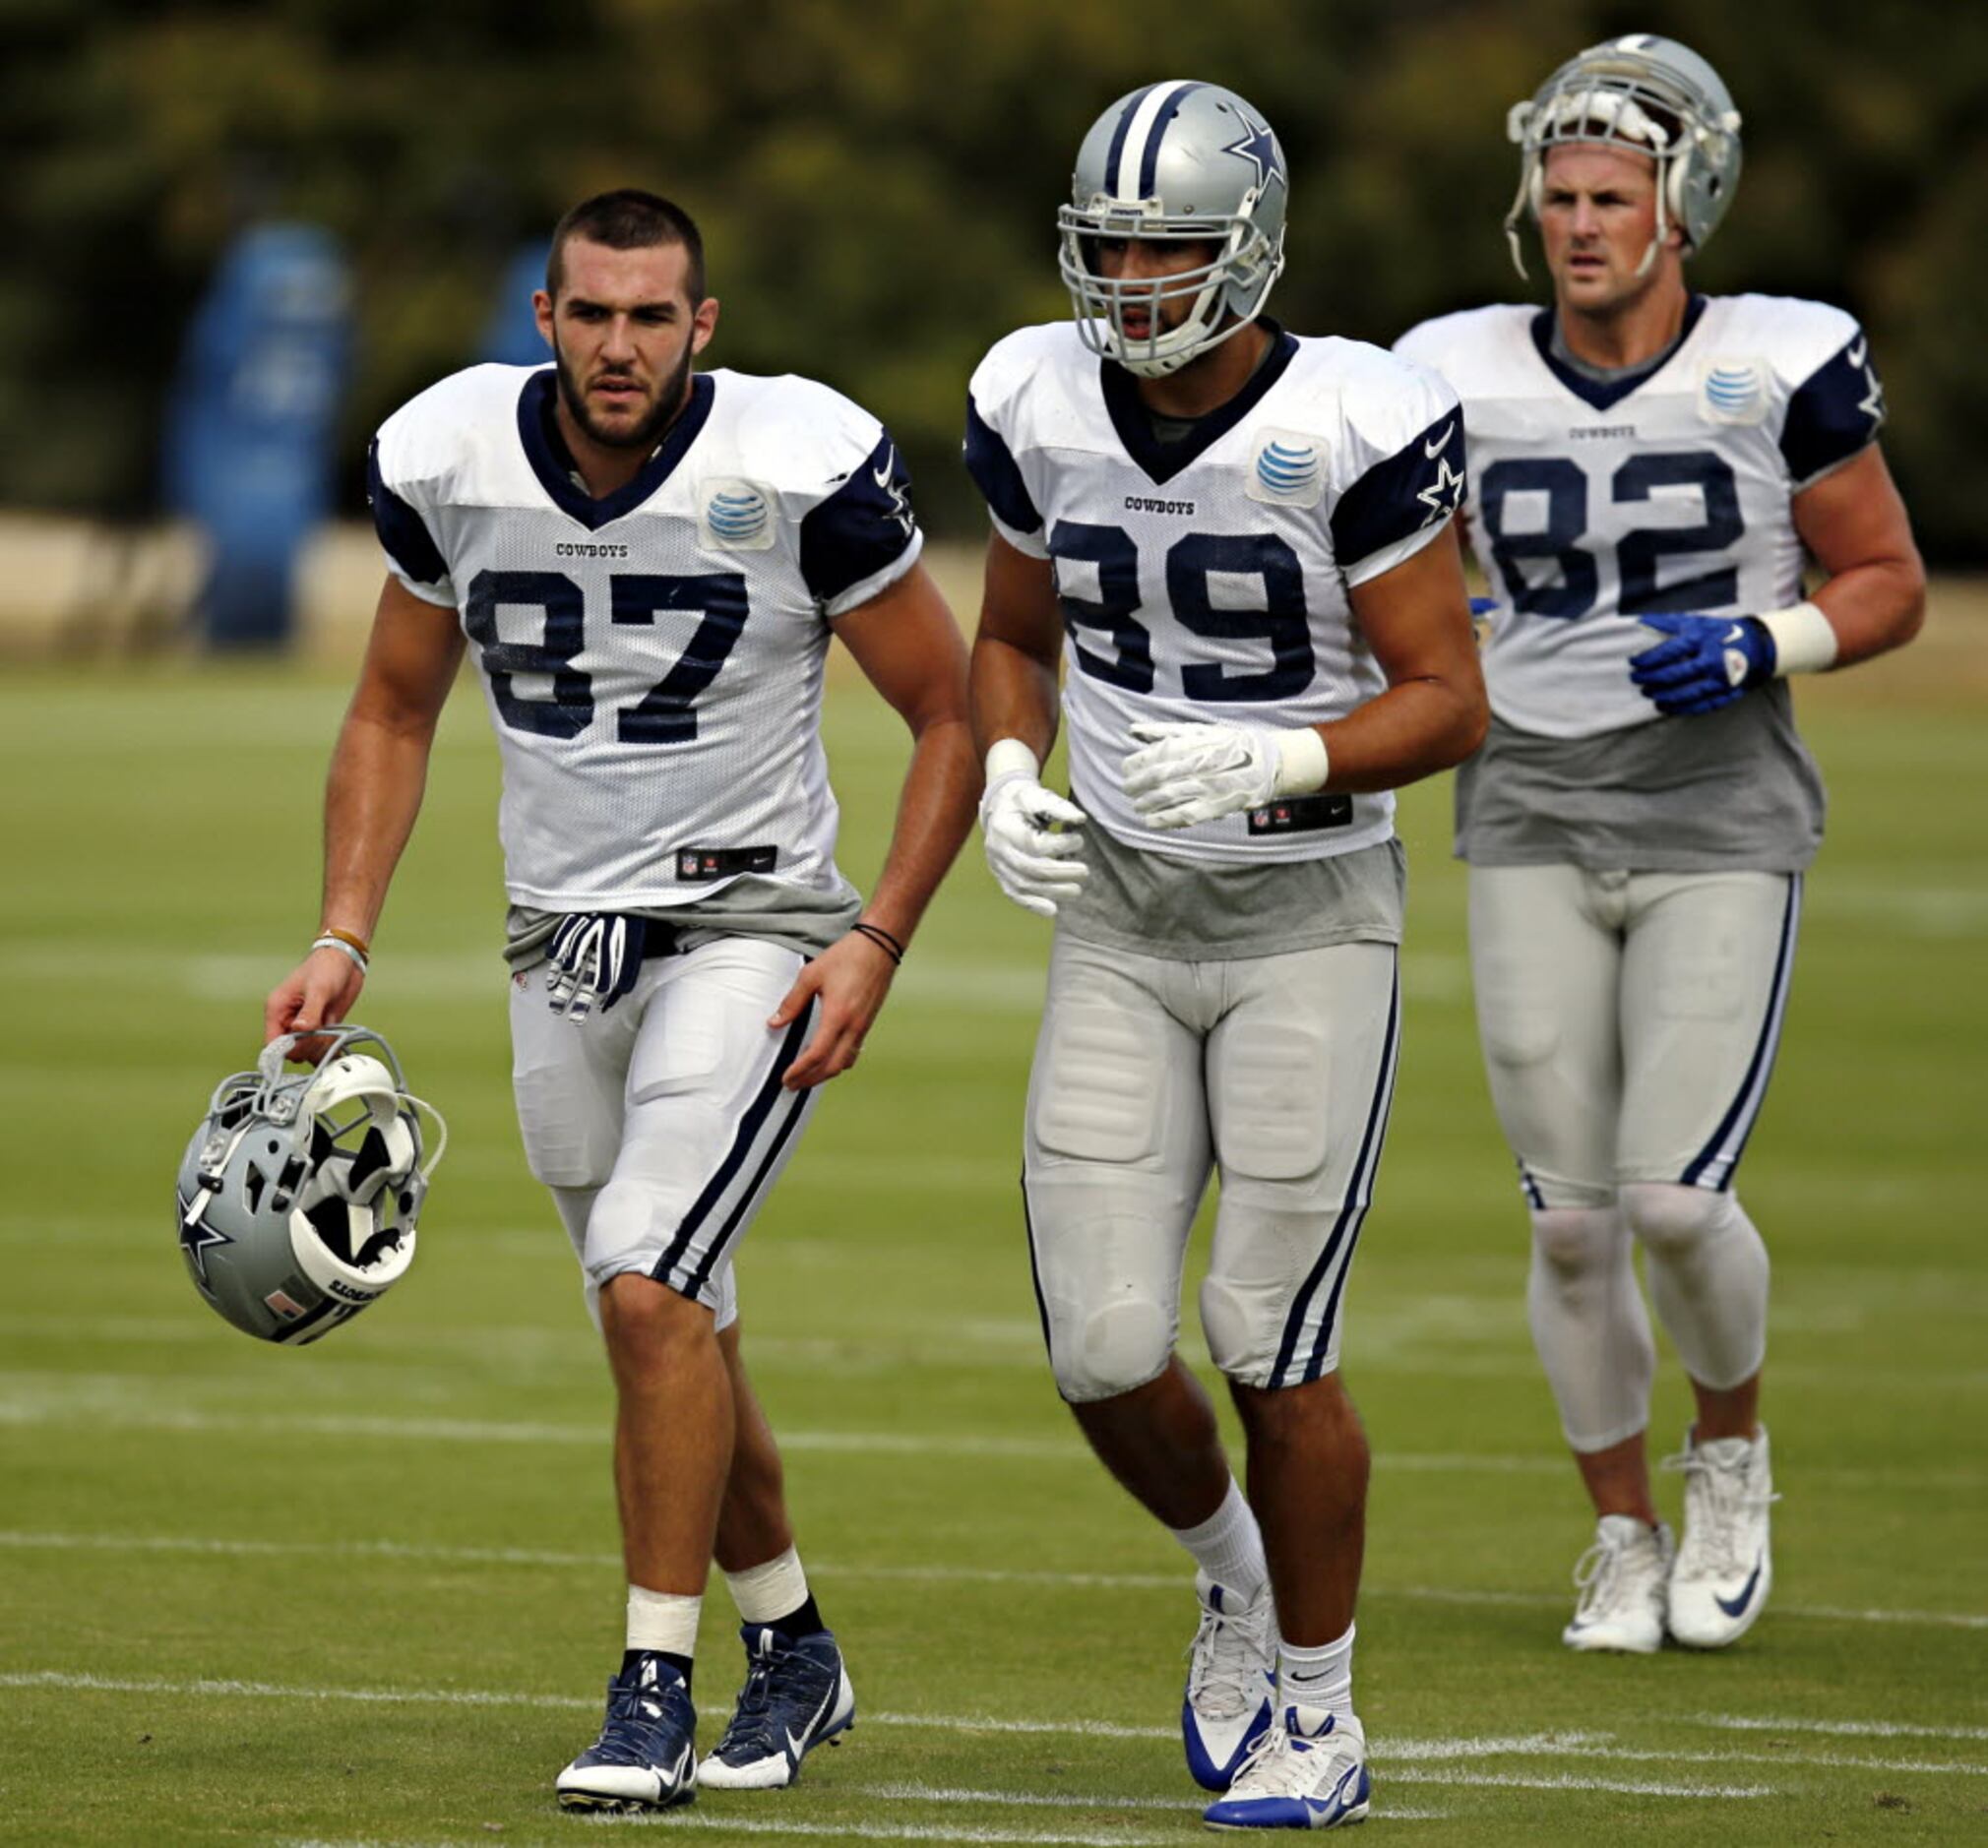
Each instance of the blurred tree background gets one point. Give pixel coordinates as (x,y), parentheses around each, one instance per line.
(877,184)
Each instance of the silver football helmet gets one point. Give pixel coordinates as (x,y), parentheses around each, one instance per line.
(1653,97)
(299,1191)
(1179,160)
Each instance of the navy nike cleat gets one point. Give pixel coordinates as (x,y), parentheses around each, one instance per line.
(797,1697)
(646,1757)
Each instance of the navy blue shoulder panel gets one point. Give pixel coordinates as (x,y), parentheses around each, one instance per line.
(861,528)
(996,473)
(1422,482)
(403,532)
(1836,411)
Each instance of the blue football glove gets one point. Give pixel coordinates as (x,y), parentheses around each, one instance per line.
(1703,662)
(592,959)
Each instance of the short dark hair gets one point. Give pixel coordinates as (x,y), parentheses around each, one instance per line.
(628,219)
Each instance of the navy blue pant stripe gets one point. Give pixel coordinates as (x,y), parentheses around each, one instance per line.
(1036,1269)
(727,1235)
(1530,1189)
(1358,1184)
(768,1094)
(1116,154)
(1148,161)
(1737,1125)
(1370,1158)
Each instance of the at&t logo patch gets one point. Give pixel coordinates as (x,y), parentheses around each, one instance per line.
(1287,470)
(1734,391)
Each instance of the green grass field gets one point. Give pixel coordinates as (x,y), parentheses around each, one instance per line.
(367,1591)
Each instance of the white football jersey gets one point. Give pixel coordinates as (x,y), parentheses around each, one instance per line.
(652,660)
(1206,580)
(1593,503)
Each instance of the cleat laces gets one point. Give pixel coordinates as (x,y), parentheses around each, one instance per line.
(637,1729)
(1596,1575)
(1721,1502)
(1225,1669)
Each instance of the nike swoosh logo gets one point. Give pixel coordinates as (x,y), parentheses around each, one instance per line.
(1732,1607)
(1735,634)
(1435,449)
(1858,353)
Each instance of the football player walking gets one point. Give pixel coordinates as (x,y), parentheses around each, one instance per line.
(1239,545)
(1648,469)
(647,562)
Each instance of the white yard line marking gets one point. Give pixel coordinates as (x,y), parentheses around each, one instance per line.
(1834,1729)
(128,1402)
(900,1575)
(1622,1786)
(1401,1757)
(1188,1808)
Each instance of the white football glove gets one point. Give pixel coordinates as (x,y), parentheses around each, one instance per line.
(1189,774)
(1033,862)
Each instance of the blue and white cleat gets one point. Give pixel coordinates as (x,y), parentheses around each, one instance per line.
(1724,1567)
(1308,1771)
(1231,1682)
(797,1697)
(646,1757)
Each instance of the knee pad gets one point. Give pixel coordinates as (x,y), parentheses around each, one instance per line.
(1226,1323)
(1672,1221)
(1574,1242)
(1114,1349)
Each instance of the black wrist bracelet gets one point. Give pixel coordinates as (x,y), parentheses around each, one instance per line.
(883,939)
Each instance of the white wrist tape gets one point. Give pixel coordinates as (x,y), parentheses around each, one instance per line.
(1302,763)
(1805,640)
(1010,757)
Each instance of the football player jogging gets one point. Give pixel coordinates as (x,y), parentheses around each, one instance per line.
(1649,467)
(1239,546)
(646,562)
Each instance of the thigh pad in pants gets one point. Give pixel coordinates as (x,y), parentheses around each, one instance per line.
(1116,1160)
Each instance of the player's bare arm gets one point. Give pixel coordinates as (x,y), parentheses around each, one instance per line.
(1017,651)
(1416,619)
(379,771)
(1857,528)
(909,648)
(1034,848)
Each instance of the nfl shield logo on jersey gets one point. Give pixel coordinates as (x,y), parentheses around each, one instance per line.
(1286,470)
(1734,391)
(735,516)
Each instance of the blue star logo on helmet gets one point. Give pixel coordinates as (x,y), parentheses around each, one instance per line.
(196,1239)
(1260,146)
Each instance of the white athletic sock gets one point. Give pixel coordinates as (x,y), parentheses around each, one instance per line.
(1590,1325)
(764,1592)
(663,1621)
(1318,1677)
(1708,1277)
(1229,1547)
